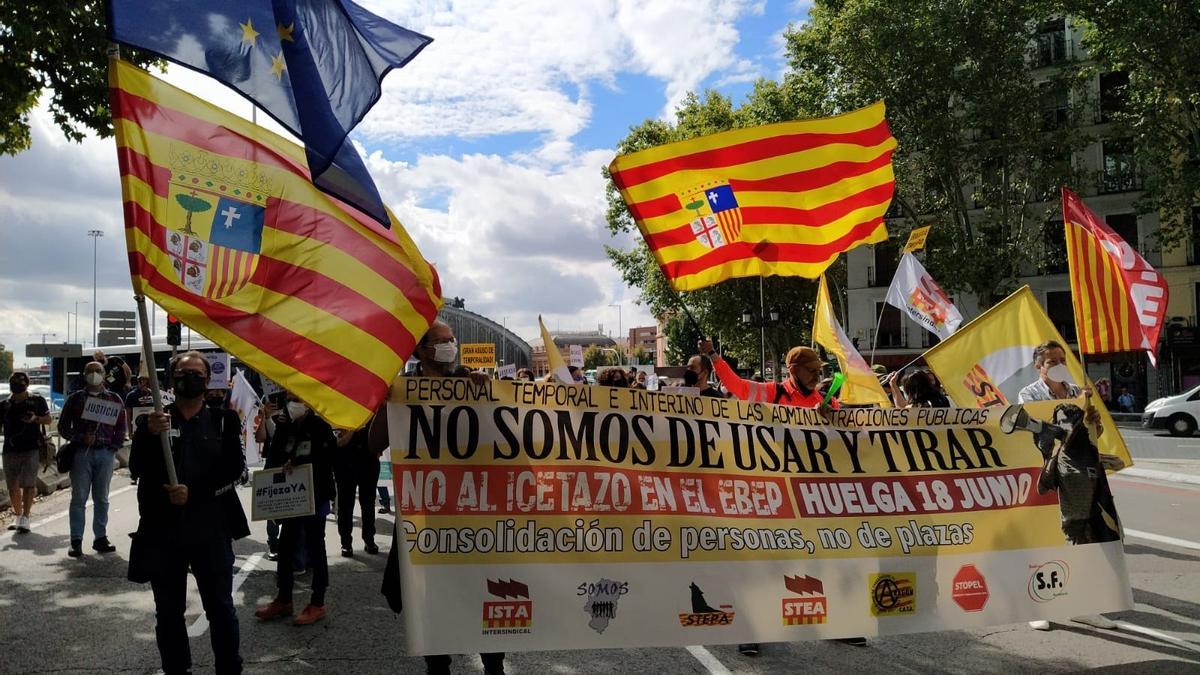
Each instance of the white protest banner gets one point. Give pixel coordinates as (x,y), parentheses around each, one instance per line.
(529,512)
(576,356)
(269,387)
(244,401)
(916,294)
(280,495)
(101,411)
(507,370)
(218,370)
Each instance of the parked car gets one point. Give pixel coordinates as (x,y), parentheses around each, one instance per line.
(1177,414)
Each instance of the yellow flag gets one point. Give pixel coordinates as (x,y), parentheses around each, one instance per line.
(989,360)
(916,239)
(861,386)
(554,357)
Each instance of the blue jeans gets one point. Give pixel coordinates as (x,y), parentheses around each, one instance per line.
(91,473)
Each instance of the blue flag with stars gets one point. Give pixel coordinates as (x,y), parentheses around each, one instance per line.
(313,65)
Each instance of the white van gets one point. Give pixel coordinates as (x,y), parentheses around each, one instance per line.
(1177,414)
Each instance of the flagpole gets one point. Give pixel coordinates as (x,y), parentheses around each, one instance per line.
(762,331)
(152,370)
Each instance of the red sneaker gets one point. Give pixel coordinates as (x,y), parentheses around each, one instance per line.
(274,610)
(310,615)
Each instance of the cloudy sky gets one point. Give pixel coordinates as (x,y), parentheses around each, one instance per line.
(488,146)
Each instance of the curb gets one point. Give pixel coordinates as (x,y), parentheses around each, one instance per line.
(1170,476)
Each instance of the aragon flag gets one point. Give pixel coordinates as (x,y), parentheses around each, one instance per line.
(782,199)
(1120,300)
(226,231)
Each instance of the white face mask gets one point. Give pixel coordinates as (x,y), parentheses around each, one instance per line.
(445,352)
(296,409)
(94,379)
(1059,373)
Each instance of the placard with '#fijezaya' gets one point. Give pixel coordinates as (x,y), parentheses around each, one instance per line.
(279,495)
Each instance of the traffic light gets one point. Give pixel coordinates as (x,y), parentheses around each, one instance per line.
(174,331)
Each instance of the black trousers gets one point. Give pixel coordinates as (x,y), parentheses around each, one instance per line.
(211,563)
(440,664)
(358,474)
(313,529)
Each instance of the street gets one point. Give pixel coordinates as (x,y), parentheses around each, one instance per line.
(83,616)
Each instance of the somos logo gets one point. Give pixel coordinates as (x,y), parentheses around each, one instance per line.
(804,610)
(507,617)
(1048,580)
(704,615)
(893,593)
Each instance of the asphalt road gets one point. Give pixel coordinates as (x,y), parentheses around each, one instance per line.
(1157,444)
(81,616)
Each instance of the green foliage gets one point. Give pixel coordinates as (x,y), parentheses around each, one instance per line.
(594,357)
(192,204)
(1157,43)
(56,45)
(6,364)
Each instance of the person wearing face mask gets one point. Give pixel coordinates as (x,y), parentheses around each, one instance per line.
(95,441)
(117,374)
(190,525)
(302,438)
(699,374)
(433,360)
(22,415)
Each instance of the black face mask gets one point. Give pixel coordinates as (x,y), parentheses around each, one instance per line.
(691,378)
(214,401)
(190,385)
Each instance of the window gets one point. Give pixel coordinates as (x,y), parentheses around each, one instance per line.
(1053,172)
(991,180)
(891,326)
(1055,238)
(1120,173)
(886,261)
(1126,226)
(1051,43)
(1112,93)
(1054,105)
(1062,313)
(928,339)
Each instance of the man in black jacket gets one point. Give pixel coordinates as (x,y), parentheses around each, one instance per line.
(191,524)
(302,438)
(356,469)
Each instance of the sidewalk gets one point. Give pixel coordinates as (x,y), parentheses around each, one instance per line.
(1173,470)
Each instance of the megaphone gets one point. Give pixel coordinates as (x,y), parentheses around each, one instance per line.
(1015,417)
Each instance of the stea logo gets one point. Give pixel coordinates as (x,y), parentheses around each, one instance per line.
(704,615)
(1048,580)
(893,593)
(809,609)
(505,616)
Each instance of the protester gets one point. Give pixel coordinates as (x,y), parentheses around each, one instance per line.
(525,374)
(613,377)
(1104,390)
(436,352)
(94,444)
(577,375)
(272,415)
(138,397)
(699,374)
(639,379)
(385,500)
(800,390)
(116,372)
(22,415)
(919,391)
(1053,383)
(356,469)
(191,525)
(302,438)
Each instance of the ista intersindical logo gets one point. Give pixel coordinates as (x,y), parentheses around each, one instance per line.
(512,614)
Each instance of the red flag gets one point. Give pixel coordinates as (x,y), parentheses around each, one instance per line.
(1120,300)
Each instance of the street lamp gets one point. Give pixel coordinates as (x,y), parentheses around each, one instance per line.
(77,304)
(620,328)
(769,319)
(95,235)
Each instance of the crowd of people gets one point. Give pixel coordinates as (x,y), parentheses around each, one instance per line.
(189,512)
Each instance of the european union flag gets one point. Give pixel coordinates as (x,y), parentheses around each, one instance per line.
(313,65)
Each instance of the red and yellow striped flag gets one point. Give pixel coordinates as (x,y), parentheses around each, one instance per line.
(783,199)
(1120,300)
(226,231)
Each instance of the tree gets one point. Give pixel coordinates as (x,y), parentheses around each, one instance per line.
(1156,44)
(61,46)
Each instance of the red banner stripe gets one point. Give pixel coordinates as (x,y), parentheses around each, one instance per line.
(750,151)
(792,253)
(820,216)
(311,287)
(134,163)
(288,347)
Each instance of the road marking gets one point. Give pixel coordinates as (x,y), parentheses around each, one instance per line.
(1163,539)
(200,625)
(1150,632)
(1153,474)
(709,661)
(63,514)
